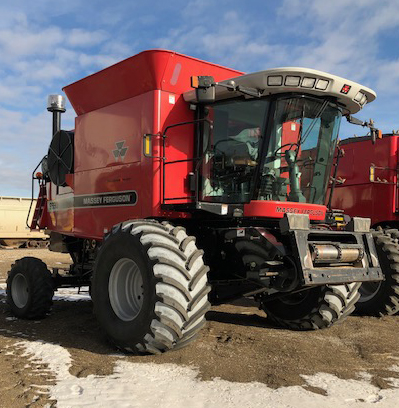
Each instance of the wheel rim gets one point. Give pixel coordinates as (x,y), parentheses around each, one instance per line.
(125,288)
(368,290)
(20,290)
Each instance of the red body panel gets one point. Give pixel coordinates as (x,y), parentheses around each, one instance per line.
(150,70)
(359,195)
(113,181)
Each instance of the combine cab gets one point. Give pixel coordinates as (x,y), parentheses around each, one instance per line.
(168,196)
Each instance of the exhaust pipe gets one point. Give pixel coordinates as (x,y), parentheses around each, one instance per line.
(56,104)
(336,253)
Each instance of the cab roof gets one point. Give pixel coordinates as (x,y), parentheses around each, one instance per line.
(349,94)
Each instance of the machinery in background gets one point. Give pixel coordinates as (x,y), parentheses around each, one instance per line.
(367,185)
(14,231)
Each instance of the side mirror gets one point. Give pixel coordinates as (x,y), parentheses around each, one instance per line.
(374,132)
(204,88)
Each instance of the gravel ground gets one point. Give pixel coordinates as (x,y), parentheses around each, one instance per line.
(236,345)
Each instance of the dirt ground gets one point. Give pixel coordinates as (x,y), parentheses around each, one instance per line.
(237,345)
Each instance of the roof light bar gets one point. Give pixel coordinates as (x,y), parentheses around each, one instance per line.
(349,94)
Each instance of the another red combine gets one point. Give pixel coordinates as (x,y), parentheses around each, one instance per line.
(237,165)
(368,186)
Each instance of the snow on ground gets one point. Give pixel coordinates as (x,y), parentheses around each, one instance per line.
(66,294)
(134,385)
(72,294)
(172,386)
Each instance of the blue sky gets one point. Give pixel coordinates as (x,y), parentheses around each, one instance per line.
(45,45)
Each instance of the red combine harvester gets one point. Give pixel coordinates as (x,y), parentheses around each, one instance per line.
(368,186)
(237,165)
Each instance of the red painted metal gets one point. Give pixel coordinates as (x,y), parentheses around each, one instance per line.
(277,209)
(115,108)
(149,70)
(360,196)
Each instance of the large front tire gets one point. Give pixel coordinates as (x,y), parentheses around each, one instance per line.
(316,308)
(149,289)
(29,288)
(382,298)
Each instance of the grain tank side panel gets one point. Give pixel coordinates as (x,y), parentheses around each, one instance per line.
(109,159)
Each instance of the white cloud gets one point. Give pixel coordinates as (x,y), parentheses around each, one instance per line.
(22,42)
(339,36)
(24,139)
(82,38)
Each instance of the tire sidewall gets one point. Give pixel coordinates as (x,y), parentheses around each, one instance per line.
(377,303)
(124,333)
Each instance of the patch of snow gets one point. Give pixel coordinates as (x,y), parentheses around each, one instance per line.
(72,294)
(171,386)
(66,294)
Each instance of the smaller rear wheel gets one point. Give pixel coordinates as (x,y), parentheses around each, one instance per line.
(29,288)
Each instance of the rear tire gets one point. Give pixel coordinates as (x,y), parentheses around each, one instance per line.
(29,289)
(149,289)
(316,308)
(382,298)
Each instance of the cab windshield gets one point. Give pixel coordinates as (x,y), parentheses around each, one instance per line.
(288,159)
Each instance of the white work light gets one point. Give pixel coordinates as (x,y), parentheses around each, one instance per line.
(358,96)
(363,100)
(308,82)
(322,84)
(274,80)
(292,80)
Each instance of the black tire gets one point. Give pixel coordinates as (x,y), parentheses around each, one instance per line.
(316,308)
(382,298)
(165,306)
(30,289)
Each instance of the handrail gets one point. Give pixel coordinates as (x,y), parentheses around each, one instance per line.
(164,162)
(33,191)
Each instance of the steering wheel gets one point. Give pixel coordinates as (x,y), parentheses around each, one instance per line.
(289,145)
